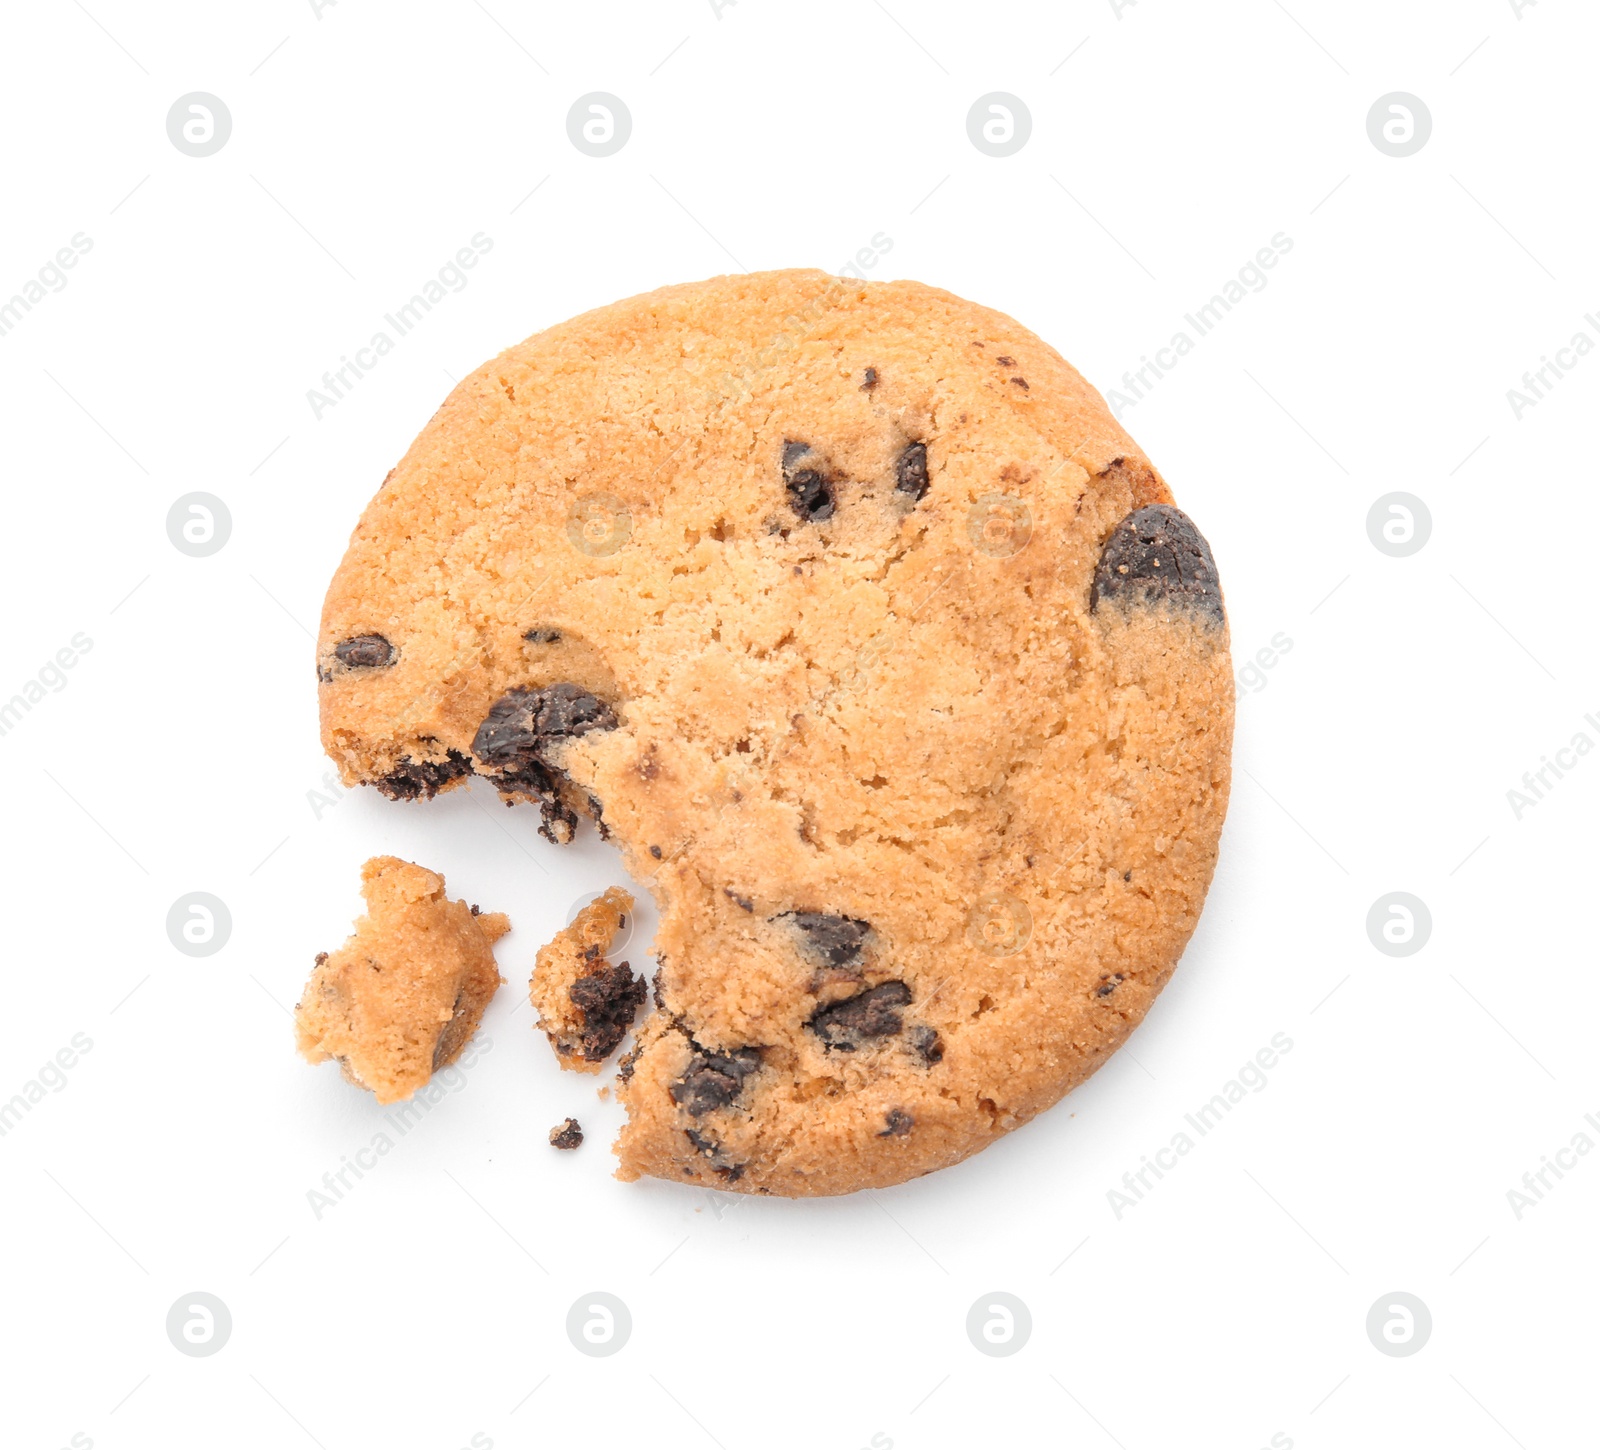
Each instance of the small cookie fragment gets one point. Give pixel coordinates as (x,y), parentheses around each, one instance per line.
(585,1003)
(567,1135)
(402,997)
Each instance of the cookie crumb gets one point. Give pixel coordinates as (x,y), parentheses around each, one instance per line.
(585,1003)
(403,996)
(567,1135)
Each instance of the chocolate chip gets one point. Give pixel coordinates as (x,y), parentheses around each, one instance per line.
(609,999)
(656,852)
(1127,875)
(568,1135)
(629,1058)
(517,737)
(714,1079)
(869,380)
(525,723)
(836,941)
(365,652)
(810,492)
(655,990)
(1157,555)
(1006,362)
(543,636)
(1020,383)
(321,958)
(743,903)
(712,1151)
(1109,982)
(423,779)
(810,495)
(926,1044)
(911,471)
(897,1123)
(844,1026)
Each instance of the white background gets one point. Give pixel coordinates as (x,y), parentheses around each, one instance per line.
(1169,143)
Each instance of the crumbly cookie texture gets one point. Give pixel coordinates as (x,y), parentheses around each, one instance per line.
(585,1003)
(402,997)
(853,617)
(567,1135)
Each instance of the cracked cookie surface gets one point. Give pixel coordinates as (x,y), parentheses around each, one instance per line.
(403,996)
(877,647)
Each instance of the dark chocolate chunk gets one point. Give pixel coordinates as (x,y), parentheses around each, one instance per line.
(422,779)
(516,738)
(834,940)
(911,471)
(626,1063)
(742,902)
(321,958)
(1020,383)
(869,380)
(897,1123)
(365,652)
(810,491)
(524,723)
(609,999)
(845,1026)
(714,1079)
(543,636)
(1157,555)
(926,1044)
(1109,982)
(1006,362)
(568,1135)
(656,852)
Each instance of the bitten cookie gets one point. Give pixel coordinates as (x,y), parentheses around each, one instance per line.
(403,996)
(585,1003)
(852,616)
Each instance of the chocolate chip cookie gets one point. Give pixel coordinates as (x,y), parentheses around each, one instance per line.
(402,997)
(850,614)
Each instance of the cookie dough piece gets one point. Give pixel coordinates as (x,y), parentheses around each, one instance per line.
(841,606)
(585,1004)
(402,997)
